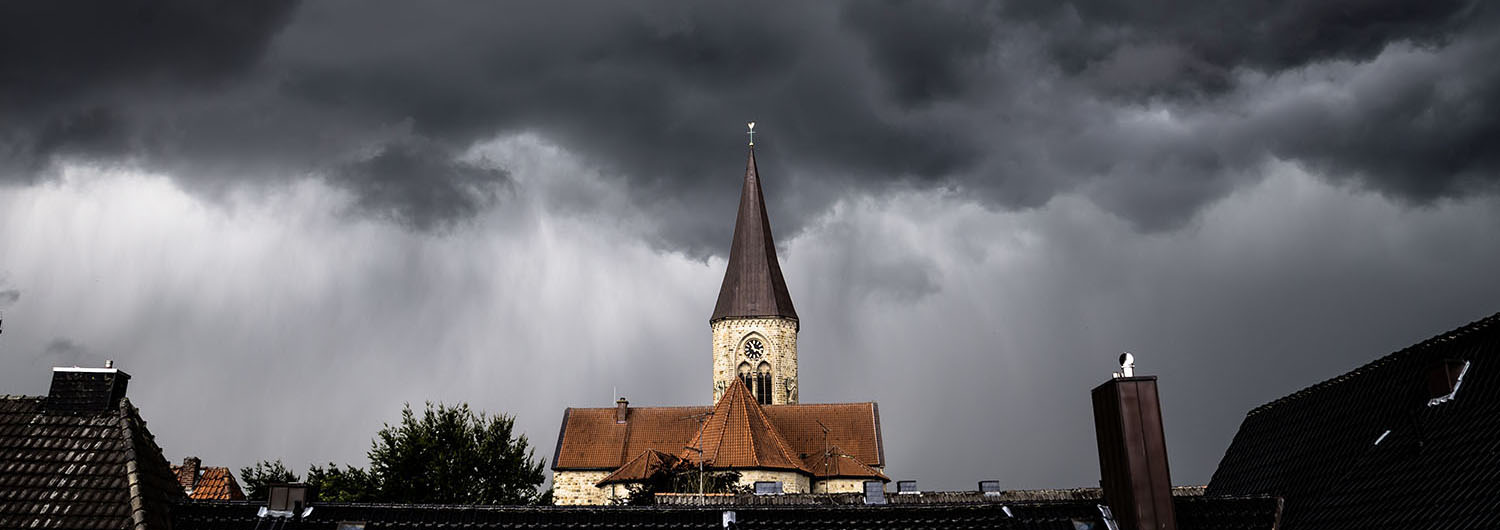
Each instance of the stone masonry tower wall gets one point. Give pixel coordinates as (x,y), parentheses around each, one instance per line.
(779,337)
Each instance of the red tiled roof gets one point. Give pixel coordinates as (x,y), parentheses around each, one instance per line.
(217,483)
(591,439)
(835,463)
(642,467)
(739,435)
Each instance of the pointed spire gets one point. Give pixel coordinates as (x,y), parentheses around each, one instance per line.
(753,286)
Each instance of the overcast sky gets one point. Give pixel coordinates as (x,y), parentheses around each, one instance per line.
(285,220)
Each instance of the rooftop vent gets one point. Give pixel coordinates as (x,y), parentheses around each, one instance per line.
(907,486)
(874,492)
(86,390)
(989,487)
(1443,380)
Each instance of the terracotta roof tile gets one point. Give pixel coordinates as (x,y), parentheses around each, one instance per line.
(739,435)
(835,463)
(591,439)
(642,467)
(217,483)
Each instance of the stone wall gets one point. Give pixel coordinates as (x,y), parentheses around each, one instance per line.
(577,487)
(791,481)
(840,485)
(780,338)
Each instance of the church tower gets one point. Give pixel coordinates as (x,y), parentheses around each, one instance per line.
(754,325)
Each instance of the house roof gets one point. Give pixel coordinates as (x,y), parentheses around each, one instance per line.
(642,467)
(80,465)
(1366,450)
(211,483)
(1194,513)
(738,435)
(589,438)
(834,463)
(753,286)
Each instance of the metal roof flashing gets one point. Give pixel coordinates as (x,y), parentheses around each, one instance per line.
(1457,383)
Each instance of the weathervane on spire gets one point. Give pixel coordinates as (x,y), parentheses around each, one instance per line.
(752,133)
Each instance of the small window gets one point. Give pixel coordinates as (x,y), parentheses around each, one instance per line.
(989,487)
(906,486)
(351,525)
(767,488)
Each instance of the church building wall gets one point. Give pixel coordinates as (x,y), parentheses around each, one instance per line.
(791,481)
(780,338)
(577,487)
(840,485)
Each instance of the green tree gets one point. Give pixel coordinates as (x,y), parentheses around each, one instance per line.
(350,484)
(448,455)
(453,455)
(263,474)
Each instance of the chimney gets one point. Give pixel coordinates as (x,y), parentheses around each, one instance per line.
(620,407)
(187,474)
(1133,451)
(86,390)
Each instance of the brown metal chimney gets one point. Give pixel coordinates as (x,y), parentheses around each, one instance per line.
(1133,451)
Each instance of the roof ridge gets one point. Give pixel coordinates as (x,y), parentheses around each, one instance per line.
(1453,334)
(776,437)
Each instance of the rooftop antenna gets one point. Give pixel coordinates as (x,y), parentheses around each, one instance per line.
(701,419)
(825,450)
(751,133)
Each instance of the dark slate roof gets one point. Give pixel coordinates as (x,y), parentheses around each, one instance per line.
(753,286)
(1195,513)
(1437,467)
(61,469)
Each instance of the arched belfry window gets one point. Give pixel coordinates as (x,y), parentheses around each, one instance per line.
(745,376)
(763,383)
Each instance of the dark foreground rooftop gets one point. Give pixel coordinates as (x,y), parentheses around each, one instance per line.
(1194,513)
(1410,440)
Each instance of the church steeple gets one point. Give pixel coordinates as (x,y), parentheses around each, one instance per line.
(754,324)
(753,286)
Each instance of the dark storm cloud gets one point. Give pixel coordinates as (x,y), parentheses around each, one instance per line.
(67,66)
(1017,102)
(420,184)
(62,351)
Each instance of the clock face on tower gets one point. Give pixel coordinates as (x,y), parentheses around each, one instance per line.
(754,349)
